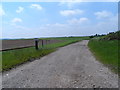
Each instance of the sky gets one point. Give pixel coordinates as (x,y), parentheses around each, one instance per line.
(57,19)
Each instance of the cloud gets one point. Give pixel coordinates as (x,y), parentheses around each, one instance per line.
(15,20)
(20,9)
(103,14)
(83,19)
(64,29)
(75,1)
(70,3)
(109,25)
(78,21)
(71,12)
(55,25)
(36,6)
(78,27)
(2,12)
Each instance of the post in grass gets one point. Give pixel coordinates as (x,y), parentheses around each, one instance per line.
(36,43)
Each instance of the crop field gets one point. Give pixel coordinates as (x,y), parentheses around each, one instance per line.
(14,44)
(15,57)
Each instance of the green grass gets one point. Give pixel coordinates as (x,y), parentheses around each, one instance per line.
(67,38)
(61,44)
(13,58)
(106,52)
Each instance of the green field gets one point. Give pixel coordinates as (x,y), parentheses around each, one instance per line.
(106,51)
(16,57)
(67,38)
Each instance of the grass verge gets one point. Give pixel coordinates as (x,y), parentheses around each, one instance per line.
(13,58)
(106,52)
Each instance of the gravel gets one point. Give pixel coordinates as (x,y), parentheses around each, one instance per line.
(72,66)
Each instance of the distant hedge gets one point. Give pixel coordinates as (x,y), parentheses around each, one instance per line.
(112,36)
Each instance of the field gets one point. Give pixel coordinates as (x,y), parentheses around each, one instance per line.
(16,57)
(106,51)
(15,44)
(23,43)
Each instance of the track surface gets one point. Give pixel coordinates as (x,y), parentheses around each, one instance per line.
(72,66)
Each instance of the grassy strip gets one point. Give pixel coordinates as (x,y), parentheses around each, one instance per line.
(61,44)
(67,38)
(13,58)
(106,52)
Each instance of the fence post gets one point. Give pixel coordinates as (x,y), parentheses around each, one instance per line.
(36,43)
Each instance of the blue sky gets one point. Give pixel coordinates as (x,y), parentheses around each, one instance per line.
(57,19)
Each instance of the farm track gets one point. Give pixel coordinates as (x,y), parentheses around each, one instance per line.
(72,66)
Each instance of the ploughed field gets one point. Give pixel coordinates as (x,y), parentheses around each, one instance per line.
(14,44)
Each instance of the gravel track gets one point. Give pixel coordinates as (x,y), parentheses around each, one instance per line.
(72,66)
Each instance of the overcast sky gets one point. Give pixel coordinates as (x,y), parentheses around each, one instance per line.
(57,19)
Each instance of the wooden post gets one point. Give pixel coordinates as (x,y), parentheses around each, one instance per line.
(36,43)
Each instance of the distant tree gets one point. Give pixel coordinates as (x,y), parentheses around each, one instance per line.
(111,32)
(96,35)
(91,36)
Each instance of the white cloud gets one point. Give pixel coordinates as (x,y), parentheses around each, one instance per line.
(83,20)
(20,9)
(70,3)
(2,12)
(103,14)
(65,29)
(75,1)
(55,25)
(15,20)
(109,25)
(78,21)
(36,6)
(71,12)
(80,27)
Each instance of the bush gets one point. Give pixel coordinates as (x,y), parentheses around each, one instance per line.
(91,36)
(112,36)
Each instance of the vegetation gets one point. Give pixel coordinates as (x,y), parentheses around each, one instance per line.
(67,38)
(112,36)
(106,50)
(16,57)
(96,35)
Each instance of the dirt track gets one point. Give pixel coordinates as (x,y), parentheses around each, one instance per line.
(72,66)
